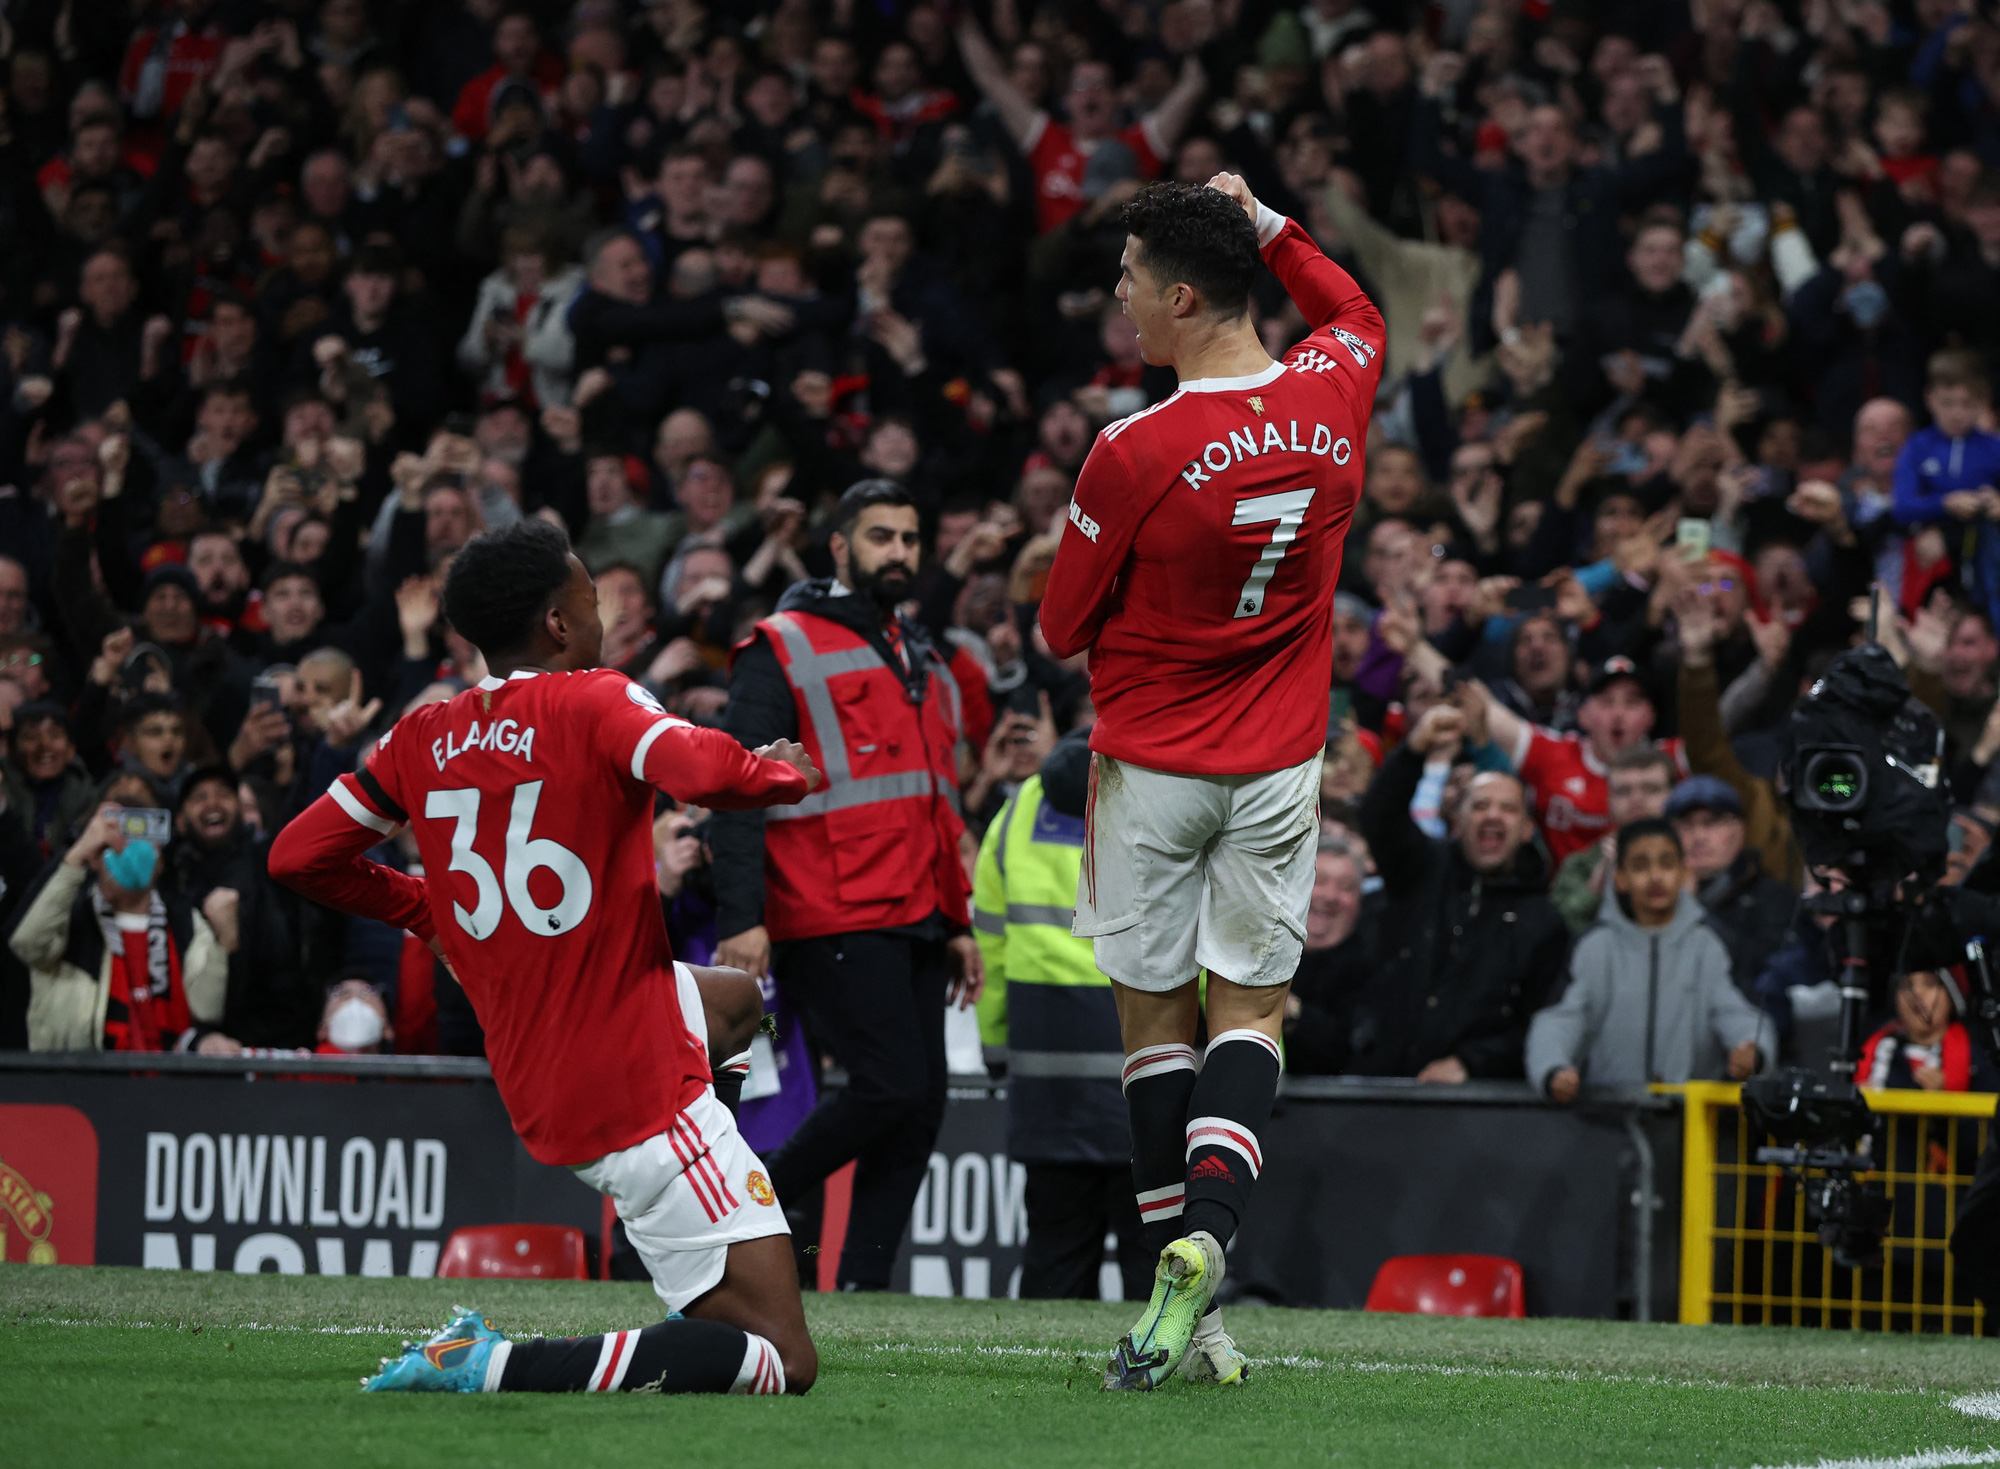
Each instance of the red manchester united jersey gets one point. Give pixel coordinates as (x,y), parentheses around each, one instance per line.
(531,800)
(1204,542)
(1058,162)
(1568,789)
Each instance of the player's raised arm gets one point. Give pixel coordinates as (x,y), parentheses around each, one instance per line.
(709,768)
(319,855)
(1326,295)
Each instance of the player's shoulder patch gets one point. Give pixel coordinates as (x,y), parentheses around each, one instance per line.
(639,694)
(606,683)
(1311,359)
(1364,353)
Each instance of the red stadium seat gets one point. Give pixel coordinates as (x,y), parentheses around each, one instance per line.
(514,1252)
(1448,1285)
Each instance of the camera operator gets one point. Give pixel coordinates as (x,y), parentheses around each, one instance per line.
(1750,911)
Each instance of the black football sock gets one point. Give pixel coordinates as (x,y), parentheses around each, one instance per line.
(729,1078)
(1231,1103)
(671,1357)
(1159,1080)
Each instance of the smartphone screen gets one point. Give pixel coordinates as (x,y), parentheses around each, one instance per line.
(1691,537)
(149,823)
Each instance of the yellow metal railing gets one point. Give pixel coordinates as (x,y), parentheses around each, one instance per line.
(1749,1256)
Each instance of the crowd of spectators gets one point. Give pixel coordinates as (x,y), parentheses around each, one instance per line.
(1692,317)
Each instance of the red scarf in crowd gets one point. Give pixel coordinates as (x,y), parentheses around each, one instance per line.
(148,1008)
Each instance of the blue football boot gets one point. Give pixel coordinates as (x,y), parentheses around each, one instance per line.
(452,1361)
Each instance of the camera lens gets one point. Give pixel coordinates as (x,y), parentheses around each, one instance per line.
(1835,780)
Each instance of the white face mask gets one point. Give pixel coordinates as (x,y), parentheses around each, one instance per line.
(355,1025)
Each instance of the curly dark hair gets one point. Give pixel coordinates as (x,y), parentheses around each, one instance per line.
(1190,234)
(502,582)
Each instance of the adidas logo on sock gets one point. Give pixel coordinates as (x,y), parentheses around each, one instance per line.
(1211,1167)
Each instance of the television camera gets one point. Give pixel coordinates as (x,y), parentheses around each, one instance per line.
(1860,765)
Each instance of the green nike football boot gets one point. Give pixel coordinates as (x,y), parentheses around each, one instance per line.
(1189,1271)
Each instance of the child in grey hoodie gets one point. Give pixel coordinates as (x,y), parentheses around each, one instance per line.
(1649,997)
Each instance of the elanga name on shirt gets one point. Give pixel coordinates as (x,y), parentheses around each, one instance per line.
(1216,455)
(504,735)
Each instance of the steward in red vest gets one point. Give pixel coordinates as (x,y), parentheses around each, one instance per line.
(858,898)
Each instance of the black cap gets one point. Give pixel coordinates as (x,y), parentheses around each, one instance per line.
(201,775)
(1066,773)
(171,573)
(1611,670)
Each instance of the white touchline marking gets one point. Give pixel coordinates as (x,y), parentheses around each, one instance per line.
(1979,1404)
(229,1326)
(1428,1369)
(1929,1459)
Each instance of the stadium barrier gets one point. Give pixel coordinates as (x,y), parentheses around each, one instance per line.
(1614,1207)
(1356,1171)
(322,1165)
(1749,1257)
(364,1165)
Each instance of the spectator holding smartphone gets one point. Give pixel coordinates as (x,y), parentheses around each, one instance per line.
(114,963)
(1014,751)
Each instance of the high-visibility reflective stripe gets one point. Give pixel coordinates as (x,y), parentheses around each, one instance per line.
(986,922)
(808,666)
(950,791)
(943,671)
(905,783)
(1068,1065)
(1006,820)
(799,658)
(809,671)
(1048,913)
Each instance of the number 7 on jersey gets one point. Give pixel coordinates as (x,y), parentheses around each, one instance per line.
(1288,509)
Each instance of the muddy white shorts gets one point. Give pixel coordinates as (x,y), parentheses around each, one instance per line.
(1191,872)
(689,1193)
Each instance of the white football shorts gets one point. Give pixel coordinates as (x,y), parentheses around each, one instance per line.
(1191,872)
(689,1193)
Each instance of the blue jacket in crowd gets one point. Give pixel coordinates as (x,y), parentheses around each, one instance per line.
(1932,466)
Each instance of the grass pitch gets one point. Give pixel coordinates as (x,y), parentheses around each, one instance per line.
(109,1366)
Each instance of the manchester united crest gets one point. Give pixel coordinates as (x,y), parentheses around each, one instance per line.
(28,1210)
(760,1188)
